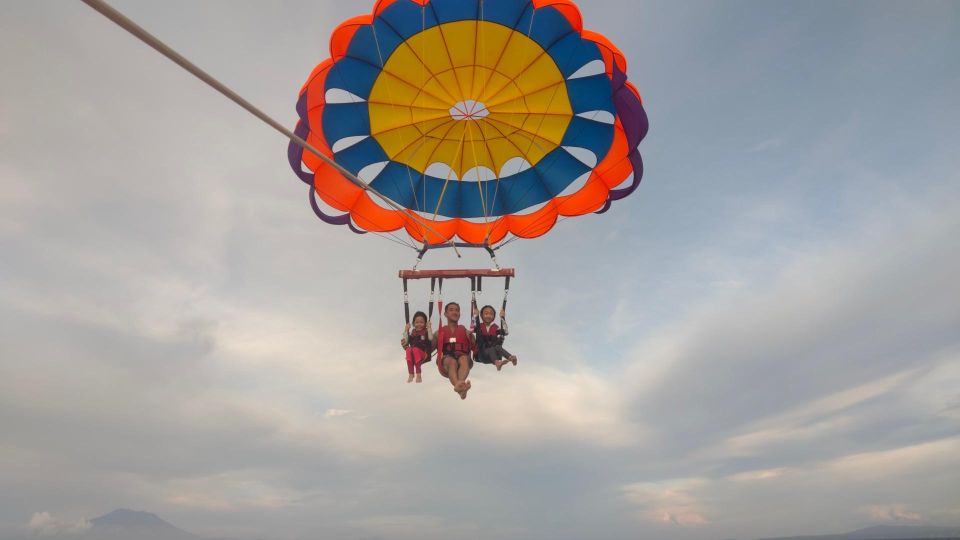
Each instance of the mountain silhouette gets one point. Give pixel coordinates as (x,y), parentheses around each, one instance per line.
(886,532)
(124,524)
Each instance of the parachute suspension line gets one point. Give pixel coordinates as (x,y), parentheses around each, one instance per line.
(534,223)
(483,202)
(137,31)
(481,185)
(538,221)
(459,153)
(393,237)
(393,103)
(486,143)
(450,243)
(481,182)
(423,69)
(533,136)
(446,50)
(520,152)
(533,141)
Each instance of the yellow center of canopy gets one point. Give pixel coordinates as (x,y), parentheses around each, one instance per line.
(469,94)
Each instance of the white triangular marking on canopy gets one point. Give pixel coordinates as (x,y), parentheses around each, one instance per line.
(441,171)
(626,182)
(326,208)
(469,110)
(347,142)
(589,69)
(337,96)
(577,185)
(478,220)
(583,155)
(514,165)
(479,174)
(604,117)
(370,173)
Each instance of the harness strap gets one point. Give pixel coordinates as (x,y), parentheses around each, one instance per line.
(440,303)
(473,291)
(406,302)
(503,309)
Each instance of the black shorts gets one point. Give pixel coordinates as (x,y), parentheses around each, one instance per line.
(443,370)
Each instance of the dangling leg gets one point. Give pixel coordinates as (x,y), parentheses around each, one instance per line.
(410,363)
(503,353)
(490,356)
(419,357)
(487,355)
(463,370)
(451,371)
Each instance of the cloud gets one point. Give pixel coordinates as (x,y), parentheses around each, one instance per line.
(180,334)
(334,413)
(754,476)
(754,362)
(234,491)
(671,502)
(811,421)
(896,513)
(898,462)
(417,526)
(45,524)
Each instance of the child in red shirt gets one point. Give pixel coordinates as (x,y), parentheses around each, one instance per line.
(417,343)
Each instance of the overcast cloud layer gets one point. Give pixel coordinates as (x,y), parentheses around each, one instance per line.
(762,341)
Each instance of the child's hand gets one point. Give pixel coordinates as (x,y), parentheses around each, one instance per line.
(475,311)
(503,314)
(403,342)
(406,327)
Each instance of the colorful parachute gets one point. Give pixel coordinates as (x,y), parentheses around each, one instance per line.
(480,118)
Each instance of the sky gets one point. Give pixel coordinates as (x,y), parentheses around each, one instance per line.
(761,341)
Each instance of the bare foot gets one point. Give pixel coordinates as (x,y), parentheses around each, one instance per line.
(463,394)
(410,378)
(468,385)
(513,359)
(499,364)
(419,378)
(460,387)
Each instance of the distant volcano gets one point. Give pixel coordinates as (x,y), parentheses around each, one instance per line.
(886,532)
(133,525)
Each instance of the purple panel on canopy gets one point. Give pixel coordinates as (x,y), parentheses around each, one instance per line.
(635,124)
(343,219)
(294,156)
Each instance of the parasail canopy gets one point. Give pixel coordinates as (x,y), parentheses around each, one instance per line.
(479,119)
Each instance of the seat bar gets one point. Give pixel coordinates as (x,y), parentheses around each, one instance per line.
(456,274)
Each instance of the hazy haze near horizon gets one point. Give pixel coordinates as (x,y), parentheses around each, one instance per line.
(761,341)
